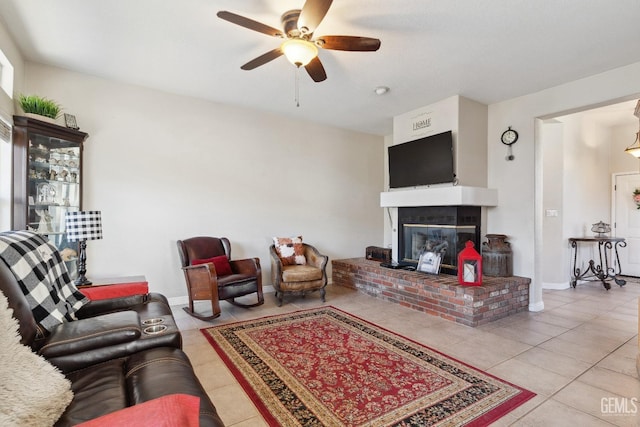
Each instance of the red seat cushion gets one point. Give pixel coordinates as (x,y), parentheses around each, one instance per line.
(221,263)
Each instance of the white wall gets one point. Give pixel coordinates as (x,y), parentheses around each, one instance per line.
(162,167)
(555,273)
(520,211)
(586,176)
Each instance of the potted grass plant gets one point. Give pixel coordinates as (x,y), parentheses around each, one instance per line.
(40,108)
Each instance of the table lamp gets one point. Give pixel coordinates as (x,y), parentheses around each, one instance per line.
(82,226)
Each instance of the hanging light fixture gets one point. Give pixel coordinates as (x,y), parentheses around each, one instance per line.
(634,149)
(299,52)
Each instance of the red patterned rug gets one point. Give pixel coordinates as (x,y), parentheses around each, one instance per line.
(325,367)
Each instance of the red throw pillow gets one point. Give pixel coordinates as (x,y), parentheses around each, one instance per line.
(221,263)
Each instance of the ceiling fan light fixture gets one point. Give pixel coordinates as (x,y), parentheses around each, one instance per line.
(299,52)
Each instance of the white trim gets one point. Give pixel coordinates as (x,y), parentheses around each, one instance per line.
(539,306)
(183,300)
(556,286)
(440,196)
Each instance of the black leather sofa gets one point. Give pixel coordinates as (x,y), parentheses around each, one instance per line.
(111,362)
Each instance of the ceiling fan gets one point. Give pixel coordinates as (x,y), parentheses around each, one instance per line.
(300,46)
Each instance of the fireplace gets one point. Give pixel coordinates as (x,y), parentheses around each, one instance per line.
(443,229)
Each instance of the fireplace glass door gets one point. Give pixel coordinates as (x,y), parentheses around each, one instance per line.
(448,240)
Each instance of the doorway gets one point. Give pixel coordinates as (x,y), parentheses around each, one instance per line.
(627,221)
(578,155)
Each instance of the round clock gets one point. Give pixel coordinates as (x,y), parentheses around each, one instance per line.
(509,136)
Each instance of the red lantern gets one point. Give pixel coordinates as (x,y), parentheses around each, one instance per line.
(469,266)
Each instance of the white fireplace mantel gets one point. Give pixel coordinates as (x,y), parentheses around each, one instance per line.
(440,196)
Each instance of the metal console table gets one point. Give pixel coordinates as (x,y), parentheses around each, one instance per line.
(603,271)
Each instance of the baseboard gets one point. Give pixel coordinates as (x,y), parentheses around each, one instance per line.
(184,299)
(539,306)
(556,286)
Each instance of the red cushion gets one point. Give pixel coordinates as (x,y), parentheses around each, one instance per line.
(166,411)
(221,263)
(115,291)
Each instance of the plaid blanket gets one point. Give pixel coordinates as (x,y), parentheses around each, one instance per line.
(42,276)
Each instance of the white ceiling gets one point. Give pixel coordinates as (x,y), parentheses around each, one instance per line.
(488,50)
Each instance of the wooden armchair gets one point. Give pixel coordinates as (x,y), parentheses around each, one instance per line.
(210,274)
(299,279)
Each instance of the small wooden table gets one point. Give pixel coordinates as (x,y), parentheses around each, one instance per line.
(601,270)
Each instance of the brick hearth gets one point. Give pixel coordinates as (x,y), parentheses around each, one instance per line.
(440,295)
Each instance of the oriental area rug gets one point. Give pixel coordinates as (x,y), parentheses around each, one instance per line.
(325,367)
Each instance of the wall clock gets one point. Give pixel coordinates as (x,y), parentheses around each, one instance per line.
(508,138)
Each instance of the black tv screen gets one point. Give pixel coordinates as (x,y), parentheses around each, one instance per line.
(425,161)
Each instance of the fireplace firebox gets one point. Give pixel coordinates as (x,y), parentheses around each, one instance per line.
(443,229)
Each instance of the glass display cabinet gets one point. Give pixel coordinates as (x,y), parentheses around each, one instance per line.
(47,180)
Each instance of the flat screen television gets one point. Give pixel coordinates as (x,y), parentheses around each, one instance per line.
(425,161)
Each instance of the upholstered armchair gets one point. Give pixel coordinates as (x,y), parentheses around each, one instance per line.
(211,275)
(307,273)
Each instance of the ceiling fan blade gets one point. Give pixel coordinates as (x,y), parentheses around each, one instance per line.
(312,14)
(249,23)
(262,59)
(316,70)
(351,43)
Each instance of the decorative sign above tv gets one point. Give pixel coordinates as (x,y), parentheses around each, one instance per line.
(425,161)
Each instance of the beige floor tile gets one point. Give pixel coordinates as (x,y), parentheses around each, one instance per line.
(232,404)
(556,414)
(585,398)
(214,375)
(586,352)
(612,381)
(539,325)
(520,334)
(555,362)
(540,381)
(621,364)
(520,411)
(554,319)
(251,422)
(480,357)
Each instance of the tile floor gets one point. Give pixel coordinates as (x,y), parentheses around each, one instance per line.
(578,355)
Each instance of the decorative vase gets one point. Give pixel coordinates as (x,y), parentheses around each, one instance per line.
(497,256)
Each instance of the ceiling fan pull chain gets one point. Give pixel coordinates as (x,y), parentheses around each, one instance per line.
(297,83)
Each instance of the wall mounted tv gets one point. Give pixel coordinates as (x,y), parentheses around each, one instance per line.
(425,161)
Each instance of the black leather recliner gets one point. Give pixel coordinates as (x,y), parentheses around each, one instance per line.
(111,363)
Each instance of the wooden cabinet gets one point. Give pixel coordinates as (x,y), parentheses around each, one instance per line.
(47,177)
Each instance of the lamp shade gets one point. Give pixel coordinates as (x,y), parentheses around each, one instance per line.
(299,52)
(83,225)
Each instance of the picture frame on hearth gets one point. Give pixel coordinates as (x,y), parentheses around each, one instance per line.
(429,262)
